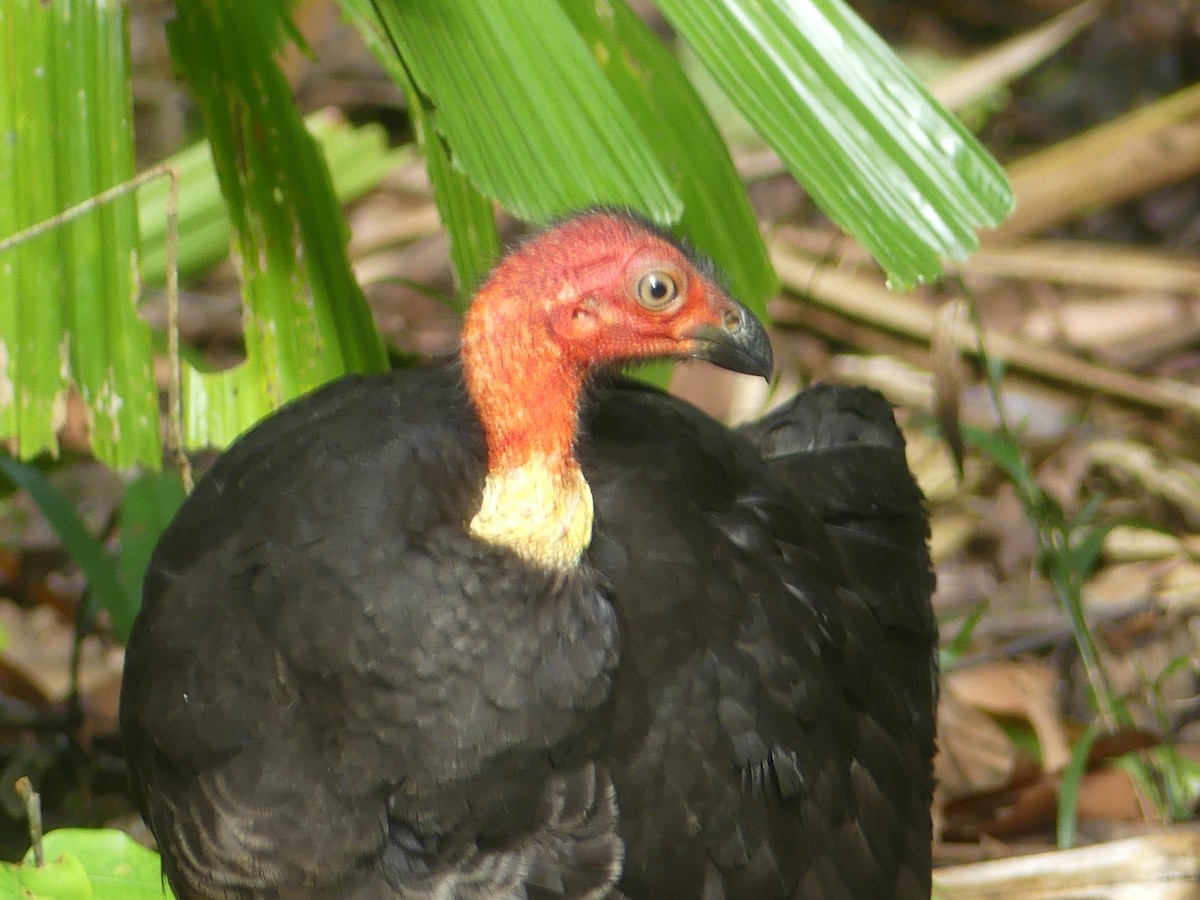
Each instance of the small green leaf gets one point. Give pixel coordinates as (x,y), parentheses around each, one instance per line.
(1021,736)
(100,864)
(953,651)
(1086,544)
(1004,453)
(1182,780)
(63,877)
(657,373)
(84,548)
(1087,515)
(1179,663)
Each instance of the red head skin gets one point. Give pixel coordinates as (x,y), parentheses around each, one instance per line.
(561,306)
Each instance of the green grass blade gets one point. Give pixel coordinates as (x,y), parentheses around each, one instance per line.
(952,651)
(525,111)
(85,549)
(853,124)
(1069,784)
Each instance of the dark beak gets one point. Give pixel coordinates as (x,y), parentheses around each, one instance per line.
(739,343)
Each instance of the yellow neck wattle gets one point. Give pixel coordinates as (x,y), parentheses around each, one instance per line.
(541,512)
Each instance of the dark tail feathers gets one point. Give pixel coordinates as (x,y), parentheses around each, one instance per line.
(838,448)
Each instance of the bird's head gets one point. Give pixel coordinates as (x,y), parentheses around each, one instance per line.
(604,288)
(597,290)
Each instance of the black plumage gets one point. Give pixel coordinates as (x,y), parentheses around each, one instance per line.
(335,690)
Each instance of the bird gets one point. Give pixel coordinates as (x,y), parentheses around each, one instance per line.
(513,624)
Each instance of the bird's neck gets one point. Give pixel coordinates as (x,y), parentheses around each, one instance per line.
(535,499)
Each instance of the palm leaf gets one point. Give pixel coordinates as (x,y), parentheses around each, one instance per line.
(306,319)
(68,298)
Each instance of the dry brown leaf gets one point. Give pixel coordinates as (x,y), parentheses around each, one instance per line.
(974,754)
(1180,588)
(1027,804)
(39,645)
(1118,585)
(1151,146)
(1108,794)
(1129,331)
(1128,543)
(1030,810)
(949,532)
(39,648)
(100,700)
(1025,690)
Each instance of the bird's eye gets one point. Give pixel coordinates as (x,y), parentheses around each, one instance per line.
(656,290)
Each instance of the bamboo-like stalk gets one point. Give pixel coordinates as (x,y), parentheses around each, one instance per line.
(864,299)
(1150,147)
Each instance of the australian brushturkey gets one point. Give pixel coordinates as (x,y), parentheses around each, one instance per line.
(512,626)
